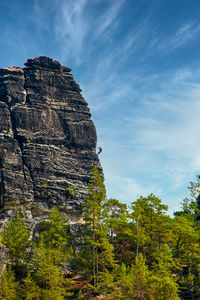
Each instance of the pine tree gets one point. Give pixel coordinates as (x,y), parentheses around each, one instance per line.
(139,277)
(54,237)
(133,282)
(152,226)
(16,238)
(51,257)
(163,283)
(8,286)
(186,250)
(54,230)
(115,217)
(120,231)
(48,274)
(96,253)
(29,290)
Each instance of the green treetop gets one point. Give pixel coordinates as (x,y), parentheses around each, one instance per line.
(16,237)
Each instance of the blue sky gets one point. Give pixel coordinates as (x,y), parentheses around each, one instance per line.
(138,64)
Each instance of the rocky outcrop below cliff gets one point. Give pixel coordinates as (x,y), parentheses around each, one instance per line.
(47,141)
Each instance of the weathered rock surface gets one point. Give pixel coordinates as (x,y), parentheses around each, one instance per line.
(47,140)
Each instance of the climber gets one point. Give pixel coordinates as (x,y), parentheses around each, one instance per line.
(99,150)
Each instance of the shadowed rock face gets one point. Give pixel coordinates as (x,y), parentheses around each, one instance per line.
(47,140)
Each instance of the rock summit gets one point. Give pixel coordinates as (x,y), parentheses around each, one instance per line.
(47,141)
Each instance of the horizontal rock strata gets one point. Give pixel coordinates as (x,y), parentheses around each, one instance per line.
(47,141)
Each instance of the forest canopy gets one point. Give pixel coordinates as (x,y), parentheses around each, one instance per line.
(120,252)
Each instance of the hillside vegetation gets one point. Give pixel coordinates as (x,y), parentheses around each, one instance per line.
(137,252)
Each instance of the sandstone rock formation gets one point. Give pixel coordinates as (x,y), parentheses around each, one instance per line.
(47,140)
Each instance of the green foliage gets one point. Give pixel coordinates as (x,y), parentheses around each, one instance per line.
(133,282)
(8,286)
(96,254)
(164,288)
(152,225)
(137,254)
(70,191)
(162,281)
(116,218)
(51,255)
(137,279)
(195,187)
(16,238)
(54,231)
(48,274)
(29,290)
(186,250)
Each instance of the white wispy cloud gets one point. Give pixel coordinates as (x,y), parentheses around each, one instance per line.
(108,17)
(70,28)
(127,189)
(168,127)
(78,33)
(147,119)
(158,134)
(184,34)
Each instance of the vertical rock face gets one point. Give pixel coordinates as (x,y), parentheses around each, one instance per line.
(47,140)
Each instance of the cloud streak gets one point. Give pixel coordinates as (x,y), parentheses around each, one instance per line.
(155,133)
(70,28)
(144,103)
(183,35)
(108,17)
(165,130)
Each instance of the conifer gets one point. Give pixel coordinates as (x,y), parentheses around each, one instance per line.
(16,238)
(29,290)
(8,286)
